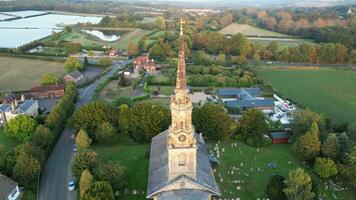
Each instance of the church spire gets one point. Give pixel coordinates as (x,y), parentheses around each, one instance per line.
(181,71)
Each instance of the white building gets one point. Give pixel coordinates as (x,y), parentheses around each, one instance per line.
(9,189)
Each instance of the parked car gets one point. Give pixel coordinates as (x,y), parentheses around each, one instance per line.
(75,148)
(71,185)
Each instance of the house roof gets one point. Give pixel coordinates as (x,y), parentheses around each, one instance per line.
(26,105)
(249,92)
(4,107)
(47,88)
(184,194)
(75,74)
(279,135)
(7,186)
(158,169)
(251,103)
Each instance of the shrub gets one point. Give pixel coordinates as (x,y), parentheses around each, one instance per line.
(275,188)
(325,167)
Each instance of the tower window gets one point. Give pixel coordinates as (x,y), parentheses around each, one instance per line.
(182,159)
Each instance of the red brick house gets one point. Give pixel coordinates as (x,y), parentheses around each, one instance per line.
(51,91)
(145,63)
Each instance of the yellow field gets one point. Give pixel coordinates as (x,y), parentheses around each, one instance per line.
(249,30)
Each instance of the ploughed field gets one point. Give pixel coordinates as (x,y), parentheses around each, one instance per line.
(329,91)
(18,74)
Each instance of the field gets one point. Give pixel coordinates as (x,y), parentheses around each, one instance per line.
(262,36)
(22,74)
(251,169)
(328,91)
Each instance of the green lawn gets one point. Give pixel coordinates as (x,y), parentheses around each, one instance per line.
(6,142)
(245,159)
(165,102)
(22,74)
(328,91)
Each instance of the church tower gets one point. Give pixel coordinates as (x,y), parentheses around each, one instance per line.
(181,138)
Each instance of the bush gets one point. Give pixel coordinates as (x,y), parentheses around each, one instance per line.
(21,127)
(325,167)
(82,139)
(112,172)
(82,161)
(275,188)
(106,134)
(99,190)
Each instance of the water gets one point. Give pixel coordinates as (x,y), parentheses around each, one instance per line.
(109,37)
(24,13)
(18,32)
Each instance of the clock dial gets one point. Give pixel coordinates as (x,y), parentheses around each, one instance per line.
(182,138)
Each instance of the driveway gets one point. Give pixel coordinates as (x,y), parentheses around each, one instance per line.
(57,170)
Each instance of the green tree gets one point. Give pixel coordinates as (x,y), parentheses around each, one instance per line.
(147,120)
(86,180)
(298,185)
(156,52)
(213,121)
(352,57)
(49,79)
(331,147)
(99,190)
(160,23)
(221,59)
(132,49)
(82,139)
(68,29)
(82,161)
(303,119)
(275,188)
(308,145)
(7,162)
(26,170)
(21,127)
(105,62)
(112,172)
(240,46)
(273,48)
(325,167)
(43,137)
(124,119)
(106,133)
(201,58)
(252,127)
(31,150)
(348,170)
(72,64)
(72,48)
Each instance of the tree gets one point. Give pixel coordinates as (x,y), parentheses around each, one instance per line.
(303,119)
(49,79)
(30,150)
(325,167)
(105,62)
(252,127)
(341,53)
(331,147)
(72,48)
(201,58)
(123,81)
(82,139)
(213,121)
(160,23)
(43,137)
(82,161)
(308,145)
(112,172)
(156,52)
(132,49)
(7,162)
(124,119)
(68,29)
(275,188)
(106,133)
(99,190)
(26,170)
(348,170)
(86,180)
(298,185)
(221,59)
(147,120)
(72,64)
(240,46)
(21,127)
(352,57)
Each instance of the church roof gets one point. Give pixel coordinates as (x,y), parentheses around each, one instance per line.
(184,194)
(158,169)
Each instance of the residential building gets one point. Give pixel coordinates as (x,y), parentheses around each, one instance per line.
(50,91)
(9,189)
(144,63)
(180,166)
(10,111)
(75,76)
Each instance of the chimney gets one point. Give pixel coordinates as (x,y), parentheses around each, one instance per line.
(16,104)
(12,106)
(23,97)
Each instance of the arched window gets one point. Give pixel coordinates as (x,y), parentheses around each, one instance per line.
(182,159)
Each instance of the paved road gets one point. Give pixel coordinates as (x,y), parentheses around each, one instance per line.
(56,173)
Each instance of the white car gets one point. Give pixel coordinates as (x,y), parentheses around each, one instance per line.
(71,185)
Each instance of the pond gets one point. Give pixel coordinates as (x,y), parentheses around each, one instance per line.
(21,31)
(108,36)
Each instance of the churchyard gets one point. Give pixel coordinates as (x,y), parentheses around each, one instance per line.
(22,74)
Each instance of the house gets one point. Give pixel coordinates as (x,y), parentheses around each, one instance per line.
(9,189)
(44,92)
(76,77)
(10,111)
(245,98)
(144,63)
(280,137)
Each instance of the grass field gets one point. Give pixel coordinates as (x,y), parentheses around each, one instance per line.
(22,74)
(328,91)
(245,159)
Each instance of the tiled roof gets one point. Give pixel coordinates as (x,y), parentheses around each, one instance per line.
(158,170)
(239,91)
(47,88)
(26,105)
(4,107)
(251,103)
(7,186)
(75,74)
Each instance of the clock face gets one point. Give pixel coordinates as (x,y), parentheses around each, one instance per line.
(182,138)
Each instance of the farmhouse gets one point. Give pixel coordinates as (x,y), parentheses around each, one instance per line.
(10,111)
(44,92)
(144,63)
(245,98)
(9,189)
(76,77)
